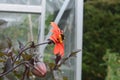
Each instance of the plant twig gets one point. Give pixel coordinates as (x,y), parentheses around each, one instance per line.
(25,73)
(66,58)
(2,74)
(32,46)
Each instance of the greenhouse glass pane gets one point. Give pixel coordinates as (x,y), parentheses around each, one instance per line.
(30,2)
(18,27)
(52,8)
(67,24)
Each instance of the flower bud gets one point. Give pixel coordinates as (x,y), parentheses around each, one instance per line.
(39,69)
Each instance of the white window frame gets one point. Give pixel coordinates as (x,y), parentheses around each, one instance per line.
(18,8)
(79,37)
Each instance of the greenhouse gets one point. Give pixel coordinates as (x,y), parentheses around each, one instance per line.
(26,23)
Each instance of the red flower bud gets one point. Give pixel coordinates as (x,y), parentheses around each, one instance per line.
(39,69)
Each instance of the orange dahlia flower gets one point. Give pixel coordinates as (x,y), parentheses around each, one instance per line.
(57,37)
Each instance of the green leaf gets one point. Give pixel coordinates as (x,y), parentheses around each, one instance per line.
(73,53)
(8,64)
(65,78)
(2,60)
(2,54)
(51,65)
(26,56)
(9,42)
(20,44)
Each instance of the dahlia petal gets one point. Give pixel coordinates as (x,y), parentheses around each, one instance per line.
(56,49)
(55,28)
(55,37)
(59,49)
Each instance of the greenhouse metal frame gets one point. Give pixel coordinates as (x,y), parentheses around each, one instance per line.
(40,9)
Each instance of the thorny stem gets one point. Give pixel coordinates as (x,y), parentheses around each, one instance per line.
(19,53)
(25,73)
(32,46)
(66,58)
(2,74)
(57,60)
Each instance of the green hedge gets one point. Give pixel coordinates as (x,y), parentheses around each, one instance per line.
(101,32)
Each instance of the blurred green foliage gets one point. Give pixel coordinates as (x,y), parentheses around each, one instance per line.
(101,32)
(113,68)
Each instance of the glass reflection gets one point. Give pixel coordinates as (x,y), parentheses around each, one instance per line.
(18,27)
(67,24)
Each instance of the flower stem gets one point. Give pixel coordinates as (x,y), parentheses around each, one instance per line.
(2,74)
(32,46)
